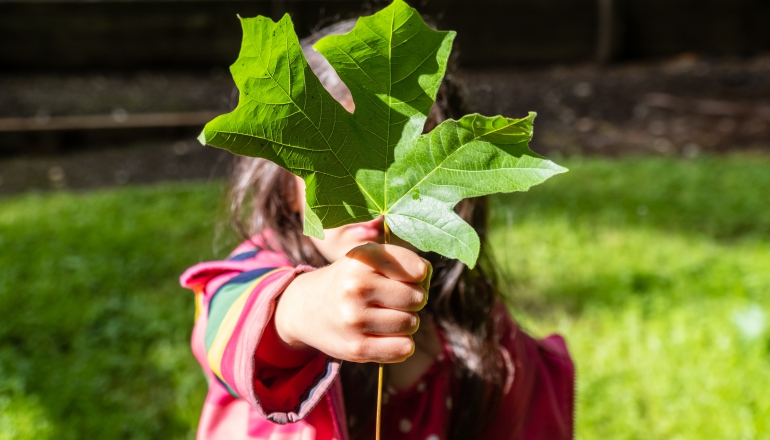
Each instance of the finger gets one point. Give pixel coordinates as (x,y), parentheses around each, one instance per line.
(384,349)
(425,283)
(397,295)
(391,261)
(389,322)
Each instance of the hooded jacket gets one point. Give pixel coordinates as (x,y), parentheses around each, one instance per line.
(253,396)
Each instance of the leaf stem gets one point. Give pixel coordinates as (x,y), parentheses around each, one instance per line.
(382,366)
(387,232)
(379,401)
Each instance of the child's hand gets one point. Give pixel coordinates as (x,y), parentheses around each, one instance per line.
(361,308)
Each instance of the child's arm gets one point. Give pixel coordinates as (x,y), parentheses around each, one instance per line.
(235,300)
(349,310)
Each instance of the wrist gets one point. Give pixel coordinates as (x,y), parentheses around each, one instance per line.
(278,346)
(287,315)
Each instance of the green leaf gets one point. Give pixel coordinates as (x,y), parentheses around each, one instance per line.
(312,225)
(375,161)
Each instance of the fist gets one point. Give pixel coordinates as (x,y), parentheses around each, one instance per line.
(361,308)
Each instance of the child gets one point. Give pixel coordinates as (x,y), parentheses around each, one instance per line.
(276,320)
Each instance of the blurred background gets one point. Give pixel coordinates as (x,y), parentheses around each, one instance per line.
(651,255)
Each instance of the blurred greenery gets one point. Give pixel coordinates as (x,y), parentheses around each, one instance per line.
(656,271)
(94,327)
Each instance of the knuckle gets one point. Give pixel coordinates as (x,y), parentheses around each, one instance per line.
(349,316)
(426,274)
(413,322)
(413,297)
(422,268)
(357,349)
(352,286)
(409,323)
(421,298)
(405,348)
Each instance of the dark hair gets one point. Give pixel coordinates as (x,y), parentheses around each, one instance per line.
(462,300)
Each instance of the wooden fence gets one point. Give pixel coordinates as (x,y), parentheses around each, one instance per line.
(139,34)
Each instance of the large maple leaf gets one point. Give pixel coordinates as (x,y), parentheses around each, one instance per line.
(375,161)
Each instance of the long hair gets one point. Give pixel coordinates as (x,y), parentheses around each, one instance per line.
(461,301)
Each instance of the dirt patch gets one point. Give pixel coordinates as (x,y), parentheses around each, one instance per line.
(682,106)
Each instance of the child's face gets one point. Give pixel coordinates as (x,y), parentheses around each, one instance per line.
(340,240)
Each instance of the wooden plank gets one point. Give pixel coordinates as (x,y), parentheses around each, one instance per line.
(719,27)
(200,34)
(102,122)
(204,34)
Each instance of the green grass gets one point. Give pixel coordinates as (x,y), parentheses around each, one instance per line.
(94,328)
(655,270)
(657,273)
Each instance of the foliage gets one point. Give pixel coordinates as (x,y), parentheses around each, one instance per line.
(374,162)
(665,309)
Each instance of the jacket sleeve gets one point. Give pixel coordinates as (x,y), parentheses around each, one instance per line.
(234,342)
(539,398)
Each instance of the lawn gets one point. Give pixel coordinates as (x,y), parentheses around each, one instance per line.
(656,271)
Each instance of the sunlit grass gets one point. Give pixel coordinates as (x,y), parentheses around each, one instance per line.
(94,327)
(656,271)
(666,308)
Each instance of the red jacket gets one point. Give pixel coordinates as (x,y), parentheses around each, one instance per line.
(252,397)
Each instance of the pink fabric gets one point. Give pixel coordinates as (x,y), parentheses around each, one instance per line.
(255,415)
(306,403)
